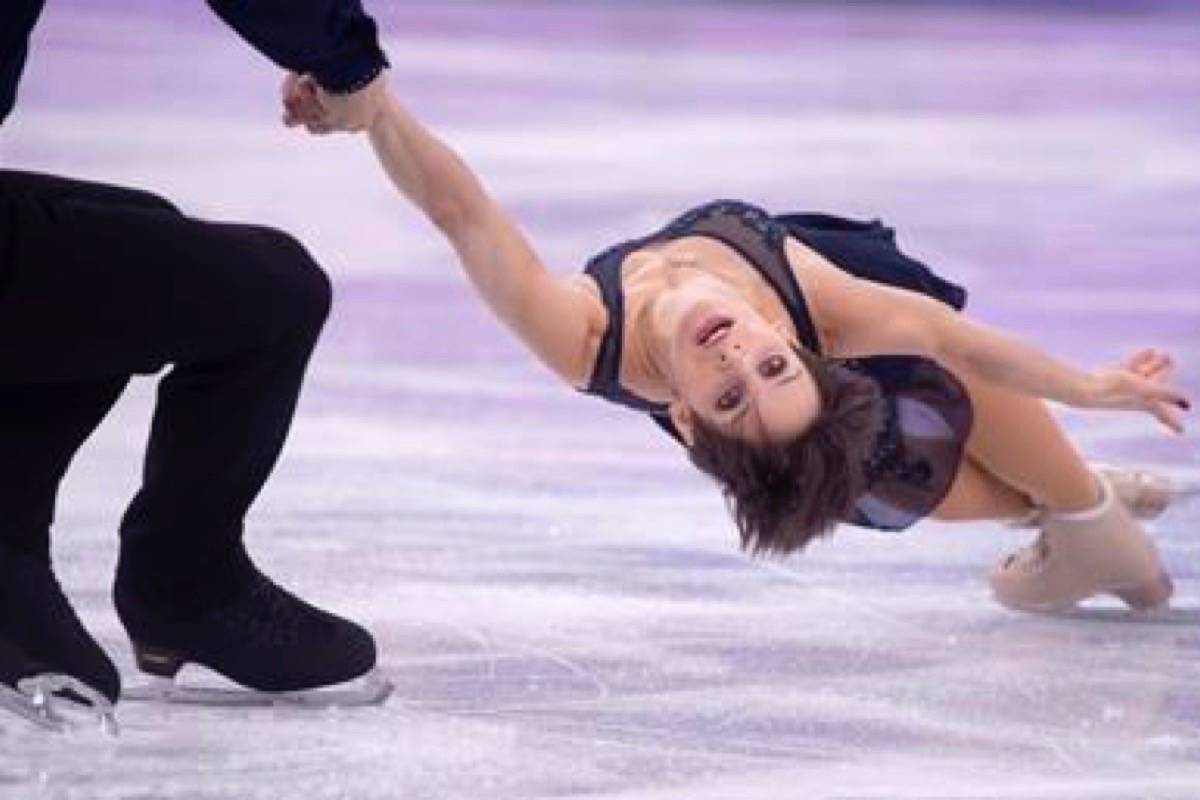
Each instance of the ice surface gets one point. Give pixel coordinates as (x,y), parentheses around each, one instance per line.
(557,597)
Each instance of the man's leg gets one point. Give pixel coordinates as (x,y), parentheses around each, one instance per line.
(41,427)
(95,288)
(219,426)
(42,424)
(105,283)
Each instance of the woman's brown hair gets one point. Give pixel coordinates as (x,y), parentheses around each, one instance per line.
(783,495)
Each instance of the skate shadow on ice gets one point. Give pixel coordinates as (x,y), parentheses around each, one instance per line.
(1188,616)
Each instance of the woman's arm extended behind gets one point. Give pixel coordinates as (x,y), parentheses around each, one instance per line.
(865,318)
(557,318)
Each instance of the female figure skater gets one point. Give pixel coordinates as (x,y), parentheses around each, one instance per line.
(816,373)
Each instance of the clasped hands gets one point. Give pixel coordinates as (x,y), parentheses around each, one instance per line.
(306,103)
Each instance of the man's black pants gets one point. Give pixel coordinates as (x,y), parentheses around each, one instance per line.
(98,283)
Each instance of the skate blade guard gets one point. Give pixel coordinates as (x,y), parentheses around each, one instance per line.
(59,703)
(197,685)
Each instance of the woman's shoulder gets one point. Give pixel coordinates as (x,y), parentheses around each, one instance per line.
(590,304)
(682,224)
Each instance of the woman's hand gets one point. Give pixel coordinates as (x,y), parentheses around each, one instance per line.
(1142,383)
(306,103)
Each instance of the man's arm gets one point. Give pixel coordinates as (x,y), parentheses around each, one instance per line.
(17,18)
(332,40)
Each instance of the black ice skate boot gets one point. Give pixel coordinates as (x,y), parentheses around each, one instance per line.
(239,624)
(50,666)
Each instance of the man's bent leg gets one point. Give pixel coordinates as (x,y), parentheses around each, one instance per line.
(41,427)
(94,289)
(218,429)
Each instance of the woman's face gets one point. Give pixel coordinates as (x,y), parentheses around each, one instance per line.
(731,367)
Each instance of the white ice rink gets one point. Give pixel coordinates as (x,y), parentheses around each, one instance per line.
(557,597)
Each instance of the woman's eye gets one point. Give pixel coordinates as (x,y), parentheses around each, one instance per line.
(773,366)
(730,399)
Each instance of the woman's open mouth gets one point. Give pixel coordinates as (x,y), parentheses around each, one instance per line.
(712,330)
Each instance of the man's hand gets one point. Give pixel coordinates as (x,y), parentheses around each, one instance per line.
(320,112)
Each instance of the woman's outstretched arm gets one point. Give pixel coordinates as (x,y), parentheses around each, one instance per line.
(556,317)
(861,318)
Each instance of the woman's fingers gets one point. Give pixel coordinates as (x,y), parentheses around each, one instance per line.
(1165,402)
(1149,361)
(1120,388)
(1170,416)
(1159,364)
(1136,361)
(1158,392)
(1143,384)
(302,104)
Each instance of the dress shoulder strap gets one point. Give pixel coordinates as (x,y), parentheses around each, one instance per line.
(605,270)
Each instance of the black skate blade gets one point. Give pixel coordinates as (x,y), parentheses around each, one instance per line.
(371,689)
(39,700)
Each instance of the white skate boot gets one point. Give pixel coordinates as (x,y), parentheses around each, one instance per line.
(1103,550)
(1145,493)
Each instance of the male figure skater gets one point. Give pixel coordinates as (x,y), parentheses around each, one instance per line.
(101,282)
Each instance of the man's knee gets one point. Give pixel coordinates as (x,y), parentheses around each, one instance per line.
(300,290)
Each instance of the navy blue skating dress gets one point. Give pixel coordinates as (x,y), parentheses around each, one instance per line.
(927,414)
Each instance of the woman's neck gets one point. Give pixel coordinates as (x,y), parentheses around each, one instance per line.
(645,364)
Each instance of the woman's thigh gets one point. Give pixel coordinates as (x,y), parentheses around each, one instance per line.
(1018,440)
(977,494)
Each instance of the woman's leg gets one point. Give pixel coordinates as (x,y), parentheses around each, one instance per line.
(1016,455)
(1016,440)
(1089,543)
(979,495)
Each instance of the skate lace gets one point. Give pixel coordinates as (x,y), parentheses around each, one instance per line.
(266,614)
(1032,557)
